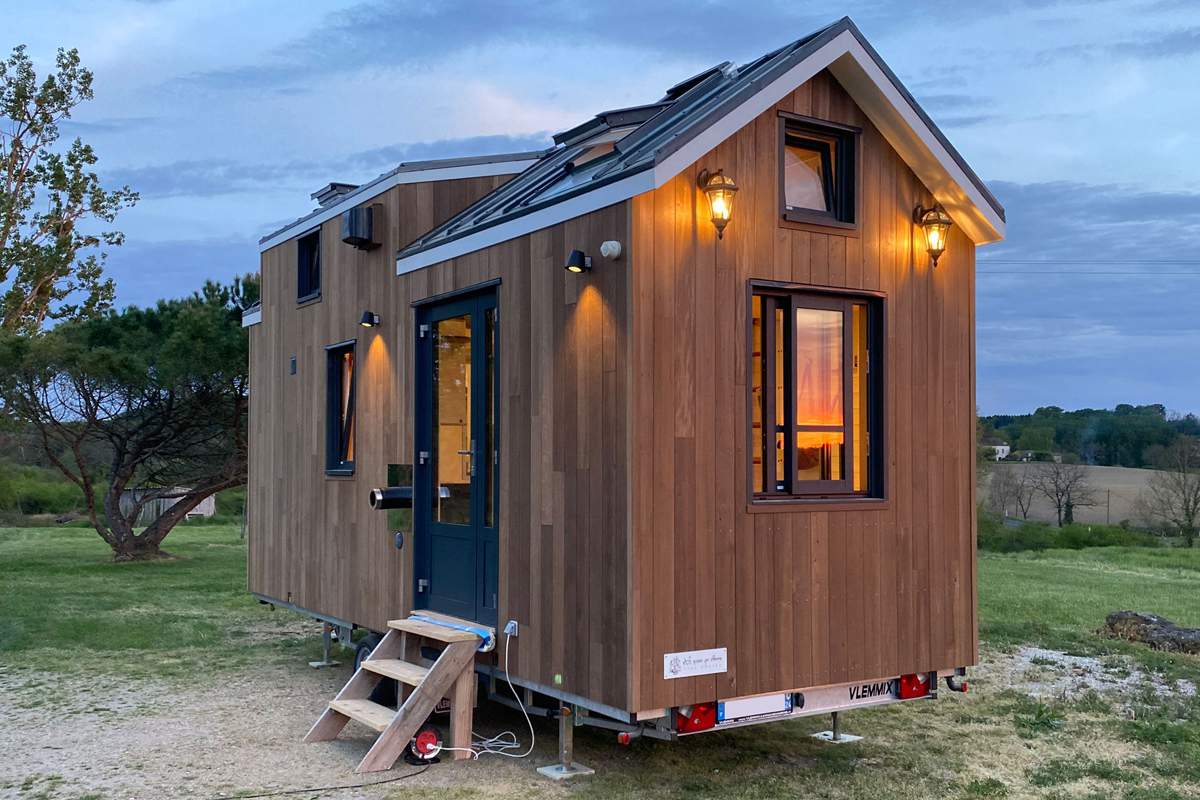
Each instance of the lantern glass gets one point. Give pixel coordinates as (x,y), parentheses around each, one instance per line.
(936,224)
(719,189)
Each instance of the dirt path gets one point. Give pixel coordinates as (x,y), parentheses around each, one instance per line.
(101,739)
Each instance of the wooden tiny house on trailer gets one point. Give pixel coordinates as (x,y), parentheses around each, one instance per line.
(729,454)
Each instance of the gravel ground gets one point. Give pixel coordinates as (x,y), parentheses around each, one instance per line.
(89,739)
(79,738)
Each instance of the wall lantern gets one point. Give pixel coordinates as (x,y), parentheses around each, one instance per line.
(936,223)
(720,189)
(369,319)
(578,262)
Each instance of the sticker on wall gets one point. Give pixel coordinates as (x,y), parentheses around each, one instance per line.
(695,662)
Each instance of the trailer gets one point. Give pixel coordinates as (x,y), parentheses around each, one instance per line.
(668,428)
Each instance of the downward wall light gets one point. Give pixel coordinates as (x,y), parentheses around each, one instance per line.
(578,262)
(369,319)
(720,189)
(936,224)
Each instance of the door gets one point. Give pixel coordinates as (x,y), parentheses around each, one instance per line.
(456,492)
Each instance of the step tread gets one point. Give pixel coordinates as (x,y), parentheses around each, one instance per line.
(370,714)
(431,631)
(403,671)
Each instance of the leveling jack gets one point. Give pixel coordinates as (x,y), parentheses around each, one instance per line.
(566,766)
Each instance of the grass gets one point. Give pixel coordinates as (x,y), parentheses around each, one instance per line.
(61,592)
(191,619)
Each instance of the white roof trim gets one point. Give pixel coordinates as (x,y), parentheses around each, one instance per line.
(533,221)
(376,188)
(251,317)
(870,88)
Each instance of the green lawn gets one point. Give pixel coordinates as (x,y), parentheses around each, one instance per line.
(60,592)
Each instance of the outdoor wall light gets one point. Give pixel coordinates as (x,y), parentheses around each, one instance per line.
(936,223)
(720,189)
(578,262)
(369,319)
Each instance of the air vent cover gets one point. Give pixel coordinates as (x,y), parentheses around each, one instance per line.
(359,226)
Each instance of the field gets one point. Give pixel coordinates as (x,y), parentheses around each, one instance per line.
(167,680)
(1116,491)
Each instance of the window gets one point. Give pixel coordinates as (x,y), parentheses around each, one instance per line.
(308,267)
(815,394)
(816,172)
(339,415)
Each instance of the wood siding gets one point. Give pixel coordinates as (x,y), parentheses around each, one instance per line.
(563,509)
(802,597)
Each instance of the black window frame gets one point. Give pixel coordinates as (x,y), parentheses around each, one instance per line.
(308,267)
(792,296)
(841,193)
(338,431)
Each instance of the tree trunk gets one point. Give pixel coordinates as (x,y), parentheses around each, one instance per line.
(138,548)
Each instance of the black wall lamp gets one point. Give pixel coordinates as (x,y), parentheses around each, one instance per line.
(578,262)
(369,319)
(936,224)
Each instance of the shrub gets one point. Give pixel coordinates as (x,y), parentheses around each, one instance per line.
(35,490)
(1000,538)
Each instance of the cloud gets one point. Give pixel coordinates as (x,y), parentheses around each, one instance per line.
(222,176)
(72,127)
(1144,45)
(145,272)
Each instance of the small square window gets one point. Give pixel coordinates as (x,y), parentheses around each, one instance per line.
(308,266)
(816,173)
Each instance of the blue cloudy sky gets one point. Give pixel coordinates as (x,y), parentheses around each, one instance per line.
(1083,117)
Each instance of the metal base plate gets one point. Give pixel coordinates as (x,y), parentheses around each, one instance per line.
(845,738)
(560,772)
(323,664)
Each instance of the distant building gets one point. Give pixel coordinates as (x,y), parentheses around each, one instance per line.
(999,451)
(156,506)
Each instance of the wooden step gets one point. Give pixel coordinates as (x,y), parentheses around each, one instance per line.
(431,631)
(372,715)
(412,674)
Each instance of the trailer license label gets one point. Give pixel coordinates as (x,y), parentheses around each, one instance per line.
(695,662)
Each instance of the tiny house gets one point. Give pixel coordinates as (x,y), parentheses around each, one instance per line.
(688,397)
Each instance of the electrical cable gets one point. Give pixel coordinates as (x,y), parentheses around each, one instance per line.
(501,743)
(315,789)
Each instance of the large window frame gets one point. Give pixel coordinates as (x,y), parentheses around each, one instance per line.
(340,412)
(839,147)
(771,483)
(308,267)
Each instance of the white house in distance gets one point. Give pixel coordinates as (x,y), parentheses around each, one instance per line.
(999,451)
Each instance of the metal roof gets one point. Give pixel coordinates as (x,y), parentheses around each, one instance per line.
(656,131)
(381,184)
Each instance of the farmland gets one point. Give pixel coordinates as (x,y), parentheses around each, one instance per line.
(166,680)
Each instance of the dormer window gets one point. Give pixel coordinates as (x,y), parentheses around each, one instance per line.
(817,172)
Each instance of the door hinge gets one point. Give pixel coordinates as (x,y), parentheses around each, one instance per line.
(422,585)
(423,329)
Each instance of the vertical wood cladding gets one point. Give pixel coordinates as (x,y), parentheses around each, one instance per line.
(806,596)
(563,532)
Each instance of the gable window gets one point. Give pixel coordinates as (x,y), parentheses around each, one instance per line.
(308,266)
(816,172)
(339,404)
(815,395)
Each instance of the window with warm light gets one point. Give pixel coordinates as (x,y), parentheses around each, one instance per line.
(816,166)
(339,409)
(815,395)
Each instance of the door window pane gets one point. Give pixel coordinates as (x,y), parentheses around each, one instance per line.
(490,448)
(820,456)
(819,367)
(452,435)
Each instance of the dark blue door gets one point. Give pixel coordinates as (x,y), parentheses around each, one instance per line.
(456,492)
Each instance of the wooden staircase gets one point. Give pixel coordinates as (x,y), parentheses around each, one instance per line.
(452,675)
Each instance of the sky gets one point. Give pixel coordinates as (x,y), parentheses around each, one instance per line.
(1082,117)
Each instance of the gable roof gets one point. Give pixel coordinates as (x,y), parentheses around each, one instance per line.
(622,153)
(441,169)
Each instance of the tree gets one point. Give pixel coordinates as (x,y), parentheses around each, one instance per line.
(51,203)
(1065,486)
(1011,487)
(1172,495)
(148,400)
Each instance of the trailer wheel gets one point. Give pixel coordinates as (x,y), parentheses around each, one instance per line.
(385,692)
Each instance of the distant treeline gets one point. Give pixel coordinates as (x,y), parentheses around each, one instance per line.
(1126,436)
